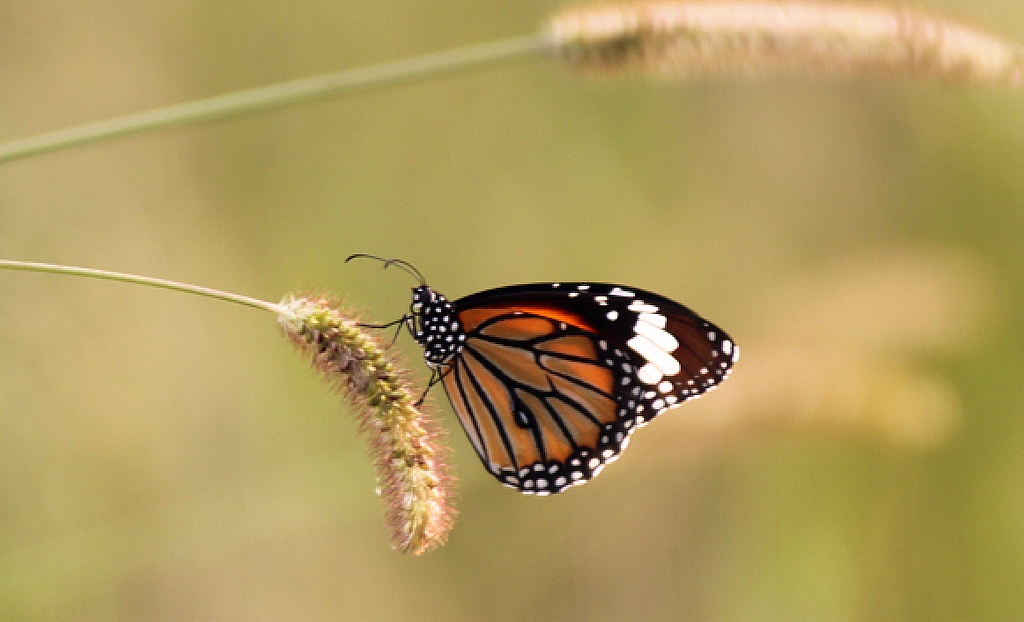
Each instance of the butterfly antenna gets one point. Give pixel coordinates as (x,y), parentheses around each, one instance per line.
(404,265)
(408,267)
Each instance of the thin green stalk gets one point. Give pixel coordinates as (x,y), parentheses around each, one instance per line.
(136,279)
(675,39)
(274,96)
(407,445)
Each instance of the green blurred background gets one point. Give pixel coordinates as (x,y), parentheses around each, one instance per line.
(164,457)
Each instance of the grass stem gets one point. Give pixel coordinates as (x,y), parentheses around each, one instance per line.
(281,95)
(136,279)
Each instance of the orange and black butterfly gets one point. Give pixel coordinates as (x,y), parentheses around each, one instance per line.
(550,379)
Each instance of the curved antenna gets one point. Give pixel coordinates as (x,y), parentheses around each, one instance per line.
(406,267)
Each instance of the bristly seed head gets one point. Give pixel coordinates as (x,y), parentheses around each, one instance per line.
(405,443)
(750,38)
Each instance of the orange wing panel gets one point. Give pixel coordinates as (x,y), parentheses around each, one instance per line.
(556,445)
(583,430)
(569,345)
(472,318)
(598,377)
(482,394)
(601,407)
(518,364)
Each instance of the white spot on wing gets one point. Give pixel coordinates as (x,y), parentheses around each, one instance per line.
(655,354)
(658,336)
(727,347)
(649,374)
(653,319)
(639,306)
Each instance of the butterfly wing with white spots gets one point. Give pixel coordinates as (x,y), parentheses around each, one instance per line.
(549,380)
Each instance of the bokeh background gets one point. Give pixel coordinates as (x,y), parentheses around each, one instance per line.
(164,457)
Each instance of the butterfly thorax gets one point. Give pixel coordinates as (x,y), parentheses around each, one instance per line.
(435,326)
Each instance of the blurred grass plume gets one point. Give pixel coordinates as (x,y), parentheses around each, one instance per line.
(751,38)
(408,453)
(688,39)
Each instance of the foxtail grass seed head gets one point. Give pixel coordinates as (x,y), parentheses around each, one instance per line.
(412,475)
(750,38)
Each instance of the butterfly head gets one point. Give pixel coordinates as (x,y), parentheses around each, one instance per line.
(435,326)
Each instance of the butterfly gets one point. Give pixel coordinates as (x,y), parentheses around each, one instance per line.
(549,380)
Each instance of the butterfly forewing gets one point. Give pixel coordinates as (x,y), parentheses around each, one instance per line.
(551,379)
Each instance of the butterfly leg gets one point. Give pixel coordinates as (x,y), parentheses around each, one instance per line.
(435,377)
(400,322)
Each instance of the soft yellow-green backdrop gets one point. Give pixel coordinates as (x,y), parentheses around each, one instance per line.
(164,457)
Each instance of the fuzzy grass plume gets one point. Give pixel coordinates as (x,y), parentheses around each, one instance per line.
(737,38)
(411,470)
(408,454)
(760,38)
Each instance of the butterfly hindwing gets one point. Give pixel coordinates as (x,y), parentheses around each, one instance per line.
(535,411)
